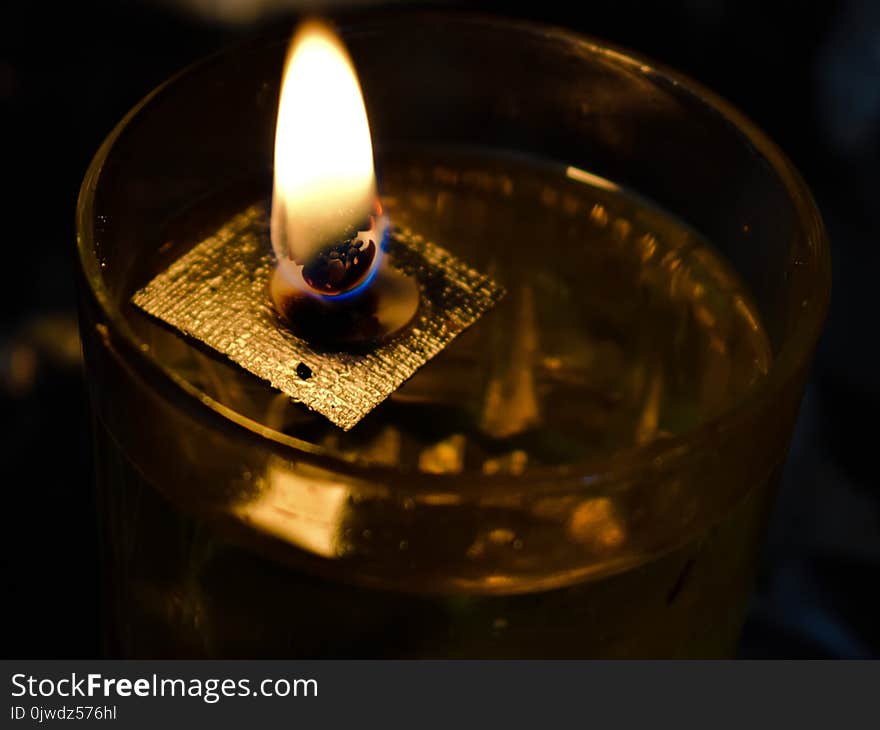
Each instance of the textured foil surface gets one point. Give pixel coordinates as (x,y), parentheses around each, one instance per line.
(218,294)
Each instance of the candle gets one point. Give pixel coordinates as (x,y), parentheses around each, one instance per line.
(581,473)
(361,309)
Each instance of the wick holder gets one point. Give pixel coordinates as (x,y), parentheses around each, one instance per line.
(340,361)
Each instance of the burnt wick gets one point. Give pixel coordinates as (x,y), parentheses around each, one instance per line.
(383,310)
(340,268)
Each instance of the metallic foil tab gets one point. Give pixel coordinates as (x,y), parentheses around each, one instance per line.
(217,293)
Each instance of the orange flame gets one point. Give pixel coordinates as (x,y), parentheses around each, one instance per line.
(324,182)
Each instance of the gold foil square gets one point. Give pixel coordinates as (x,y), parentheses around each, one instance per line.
(217,293)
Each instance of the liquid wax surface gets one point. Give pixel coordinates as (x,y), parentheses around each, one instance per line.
(620,326)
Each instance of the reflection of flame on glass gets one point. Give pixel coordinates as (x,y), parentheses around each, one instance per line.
(327,224)
(595,523)
(305,512)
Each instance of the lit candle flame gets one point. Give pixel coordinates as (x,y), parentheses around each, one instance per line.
(324,187)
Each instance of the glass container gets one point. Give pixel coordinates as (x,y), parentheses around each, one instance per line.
(228,534)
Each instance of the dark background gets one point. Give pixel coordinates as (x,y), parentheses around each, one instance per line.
(808,73)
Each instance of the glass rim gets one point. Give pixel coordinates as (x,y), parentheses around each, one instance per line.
(622,464)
